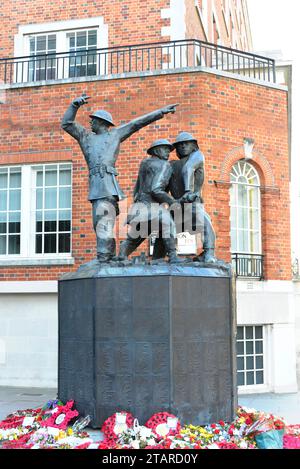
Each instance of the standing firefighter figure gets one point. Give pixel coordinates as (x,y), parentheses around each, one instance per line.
(101,148)
(185,186)
(149,212)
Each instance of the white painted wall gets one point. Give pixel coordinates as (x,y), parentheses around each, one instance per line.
(272,303)
(28,339)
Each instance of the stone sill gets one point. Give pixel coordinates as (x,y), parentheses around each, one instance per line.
(37,261)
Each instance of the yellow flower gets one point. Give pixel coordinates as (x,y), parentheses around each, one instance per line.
(70,431)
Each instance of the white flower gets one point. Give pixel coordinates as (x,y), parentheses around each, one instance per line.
(145,432)
(243,444)
(135,444)
(213,446)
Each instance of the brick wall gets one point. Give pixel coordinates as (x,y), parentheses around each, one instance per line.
(219,111)
(129,22)
(226,24)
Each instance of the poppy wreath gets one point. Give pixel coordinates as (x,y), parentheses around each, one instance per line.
(61,416)
(16,419)
(159,424)
(109,426)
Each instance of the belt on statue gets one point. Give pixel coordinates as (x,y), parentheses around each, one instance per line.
(101,169)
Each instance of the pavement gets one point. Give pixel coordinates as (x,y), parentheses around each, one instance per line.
(18,398)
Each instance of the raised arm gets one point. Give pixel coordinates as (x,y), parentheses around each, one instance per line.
(128,129)
(68,121)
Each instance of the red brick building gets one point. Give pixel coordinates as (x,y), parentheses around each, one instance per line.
(227,99)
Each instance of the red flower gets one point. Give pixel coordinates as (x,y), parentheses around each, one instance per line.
(222,423)
(217,431)
(248,421)
(108,427)
(61,417)
(163,418)
(213,425)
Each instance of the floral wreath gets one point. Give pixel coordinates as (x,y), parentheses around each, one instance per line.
(116,424)
(16,419)
(164,424)
(60,416)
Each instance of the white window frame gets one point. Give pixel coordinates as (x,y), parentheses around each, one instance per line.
(234,187)
(60,28)
(28,211)
(267,363)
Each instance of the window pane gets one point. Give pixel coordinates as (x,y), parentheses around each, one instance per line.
(14,227)
(254,242)
(3,181)
(41,44)
(3,218)
(64,225)
(243,241)
(258,332)
(233,246)
(92,38)
(240,333)
(51,177)
(2,244)
(243,218)
(233,217)
(253,197)
(240,363)
(240,379)
(240,348)
(3,200)
(249,332)
(39,198)
(259,377)
(258,347)
(32,45)
(50,243)
(15,180)
(50,215)
(65,197)
(254,219)
(52,42)
(38,244)
(64,242)
(50,197)
(81,39)
(50,226)
(242,195)
(249,347)
(65,177)
(39,227)
(250,377)
(14,244)
(259,362)
(15,199)
(250,363)
(39,179)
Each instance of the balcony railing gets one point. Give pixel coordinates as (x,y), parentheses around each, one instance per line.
(135,58)
(248,265)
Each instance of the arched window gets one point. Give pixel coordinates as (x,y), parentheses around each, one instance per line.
(245,219)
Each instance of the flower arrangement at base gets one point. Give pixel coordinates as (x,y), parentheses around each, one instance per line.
(60,416)
(137,437)
(164,424)
(116,424)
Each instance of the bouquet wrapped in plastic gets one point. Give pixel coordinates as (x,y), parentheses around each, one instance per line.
(267,434)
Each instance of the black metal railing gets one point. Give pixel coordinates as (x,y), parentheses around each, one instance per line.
(135,58)
(248,265)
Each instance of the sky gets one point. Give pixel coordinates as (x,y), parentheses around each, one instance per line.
(274,24)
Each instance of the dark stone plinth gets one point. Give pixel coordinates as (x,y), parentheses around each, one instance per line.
(147,339)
